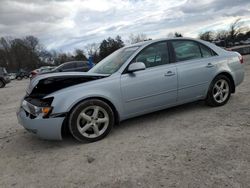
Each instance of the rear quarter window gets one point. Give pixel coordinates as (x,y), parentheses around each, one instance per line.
(206,51)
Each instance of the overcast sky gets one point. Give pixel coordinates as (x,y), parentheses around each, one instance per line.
(69,24)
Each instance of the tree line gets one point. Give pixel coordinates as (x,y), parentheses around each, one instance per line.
(236,33)
(28,53)
(25,54)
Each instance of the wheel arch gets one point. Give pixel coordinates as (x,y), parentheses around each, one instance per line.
(230,77)
(65,129)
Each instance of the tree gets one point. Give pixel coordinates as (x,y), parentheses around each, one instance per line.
(235,29)
(93,51)
(176,34)
(137,38)
(110,45)
(207,36)
(5,48)
(79,55)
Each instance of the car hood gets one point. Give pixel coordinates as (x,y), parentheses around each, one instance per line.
(45,84)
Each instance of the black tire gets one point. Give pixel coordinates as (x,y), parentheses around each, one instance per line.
(210,100)
(19,78)
(73,118)
(26,77)
(2,84)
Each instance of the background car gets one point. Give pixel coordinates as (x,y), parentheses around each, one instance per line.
(72,66)
(41,70)
(22,74)
(4,77)
(12,76)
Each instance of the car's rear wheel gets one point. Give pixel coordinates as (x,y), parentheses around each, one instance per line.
(2,84)
(219,91)
(91,120)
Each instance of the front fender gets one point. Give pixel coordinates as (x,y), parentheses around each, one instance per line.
(66,99)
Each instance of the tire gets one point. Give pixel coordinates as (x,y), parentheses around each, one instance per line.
(218,93)
(2,84)
(91,120)
(19,78)
(26,77)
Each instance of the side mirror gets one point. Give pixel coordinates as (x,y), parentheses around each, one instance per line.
(137,66)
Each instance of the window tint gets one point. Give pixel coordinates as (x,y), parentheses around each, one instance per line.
(186,50)
(206,52)
(68,66)
(154,55)
(80,64)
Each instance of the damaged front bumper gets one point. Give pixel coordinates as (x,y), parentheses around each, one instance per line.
(45,128)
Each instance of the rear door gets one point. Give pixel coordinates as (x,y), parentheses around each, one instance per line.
(195,66)
(152,88)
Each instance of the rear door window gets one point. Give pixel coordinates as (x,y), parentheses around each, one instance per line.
(186,50)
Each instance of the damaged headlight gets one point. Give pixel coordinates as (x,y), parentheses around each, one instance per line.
(37,107)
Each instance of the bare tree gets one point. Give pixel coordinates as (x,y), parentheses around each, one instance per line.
(137,38)
(92,48)
(235,28)
(221,35)
(207,36)
(79,55)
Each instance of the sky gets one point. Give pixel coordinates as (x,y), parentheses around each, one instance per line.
(65,25)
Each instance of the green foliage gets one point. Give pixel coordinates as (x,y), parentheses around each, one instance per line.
(110,45)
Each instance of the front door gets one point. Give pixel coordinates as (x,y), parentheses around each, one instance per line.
(152,88)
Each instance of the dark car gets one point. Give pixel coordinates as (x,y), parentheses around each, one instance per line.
(72,66)
(4,78)
(22,75)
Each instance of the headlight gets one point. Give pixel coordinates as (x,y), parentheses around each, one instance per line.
(42,111)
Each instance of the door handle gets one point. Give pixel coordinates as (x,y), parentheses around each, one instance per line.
(169,73)
(209,65)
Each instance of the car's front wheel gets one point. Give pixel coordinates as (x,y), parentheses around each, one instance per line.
(219,91)
(91,120)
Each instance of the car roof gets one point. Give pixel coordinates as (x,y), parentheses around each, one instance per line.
(146,43)
(75,62)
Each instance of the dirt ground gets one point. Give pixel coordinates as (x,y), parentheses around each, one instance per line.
(189,146)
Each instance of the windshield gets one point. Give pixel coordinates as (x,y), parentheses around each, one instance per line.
(113,62)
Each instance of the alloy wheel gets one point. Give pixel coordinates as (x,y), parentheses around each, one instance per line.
(92,121)
(221,91)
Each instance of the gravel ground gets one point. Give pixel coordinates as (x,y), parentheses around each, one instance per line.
(192,145)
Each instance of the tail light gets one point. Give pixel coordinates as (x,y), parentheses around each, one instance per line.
(241,59)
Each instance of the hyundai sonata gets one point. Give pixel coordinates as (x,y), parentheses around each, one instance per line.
(134,80)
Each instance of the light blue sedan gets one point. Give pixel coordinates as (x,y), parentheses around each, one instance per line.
(134,80)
